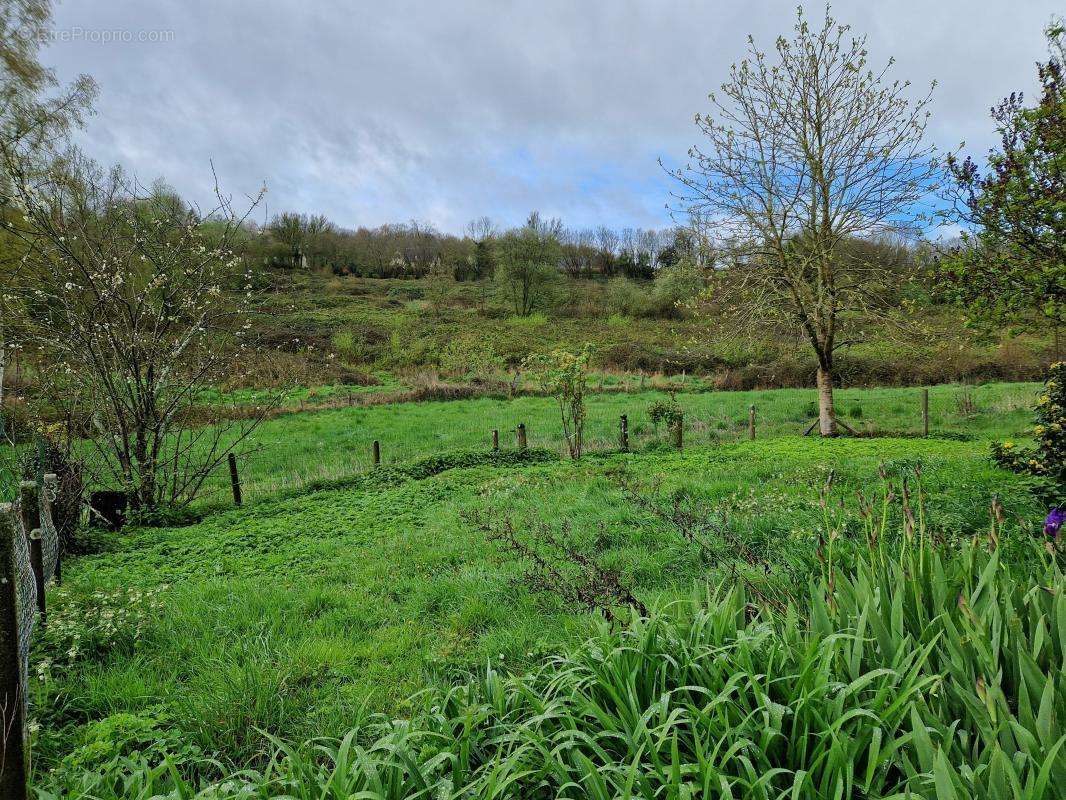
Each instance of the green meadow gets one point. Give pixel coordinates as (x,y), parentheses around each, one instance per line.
(295,450)
(298,617)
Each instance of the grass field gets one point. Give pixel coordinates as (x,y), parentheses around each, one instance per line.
(297,616)
(294,450)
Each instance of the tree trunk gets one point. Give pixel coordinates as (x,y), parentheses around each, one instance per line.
(827,420)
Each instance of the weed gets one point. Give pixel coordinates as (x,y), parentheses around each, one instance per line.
(555,566)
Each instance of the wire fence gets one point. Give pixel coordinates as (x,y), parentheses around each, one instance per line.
(292,452)
(279,465)
(29,563)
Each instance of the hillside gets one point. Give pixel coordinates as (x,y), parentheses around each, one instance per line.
(349,328)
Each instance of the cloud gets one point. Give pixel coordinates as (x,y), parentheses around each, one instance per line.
(444,111)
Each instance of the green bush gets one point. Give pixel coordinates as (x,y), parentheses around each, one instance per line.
(470,356)
(123,743)
(666,412)
(1047,460)
(346,344)
(405,291)
(674,287)
(534,320)
(627,298)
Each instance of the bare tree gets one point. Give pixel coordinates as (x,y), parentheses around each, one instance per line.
(421,248)
(137,305)
(704,242)
(805,152)
(607,239)
(550,228)
(577,251)
(481,229)
(652,242)
(607,242)
(628,241)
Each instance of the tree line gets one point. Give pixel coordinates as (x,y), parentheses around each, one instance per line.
(415,249)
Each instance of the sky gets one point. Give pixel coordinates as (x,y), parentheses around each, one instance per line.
(445,111)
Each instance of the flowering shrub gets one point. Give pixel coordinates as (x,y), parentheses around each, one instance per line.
(1047,460)
(104,622)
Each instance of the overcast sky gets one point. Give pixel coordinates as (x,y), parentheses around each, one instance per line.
(444,111)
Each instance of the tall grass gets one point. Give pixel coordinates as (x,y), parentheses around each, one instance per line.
(921,670)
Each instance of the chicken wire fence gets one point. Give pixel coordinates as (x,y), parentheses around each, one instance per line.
(34,505)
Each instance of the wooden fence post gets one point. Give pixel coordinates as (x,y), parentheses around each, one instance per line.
(51,494)
(377,453)
(521,431)
(925,412)
(495,440)
(751,422)
(30,493)
(234,479)
(14,747)
(678,430)
(623,432)
(31,510)
(37,564)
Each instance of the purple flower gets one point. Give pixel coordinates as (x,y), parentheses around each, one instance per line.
(1053,523)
